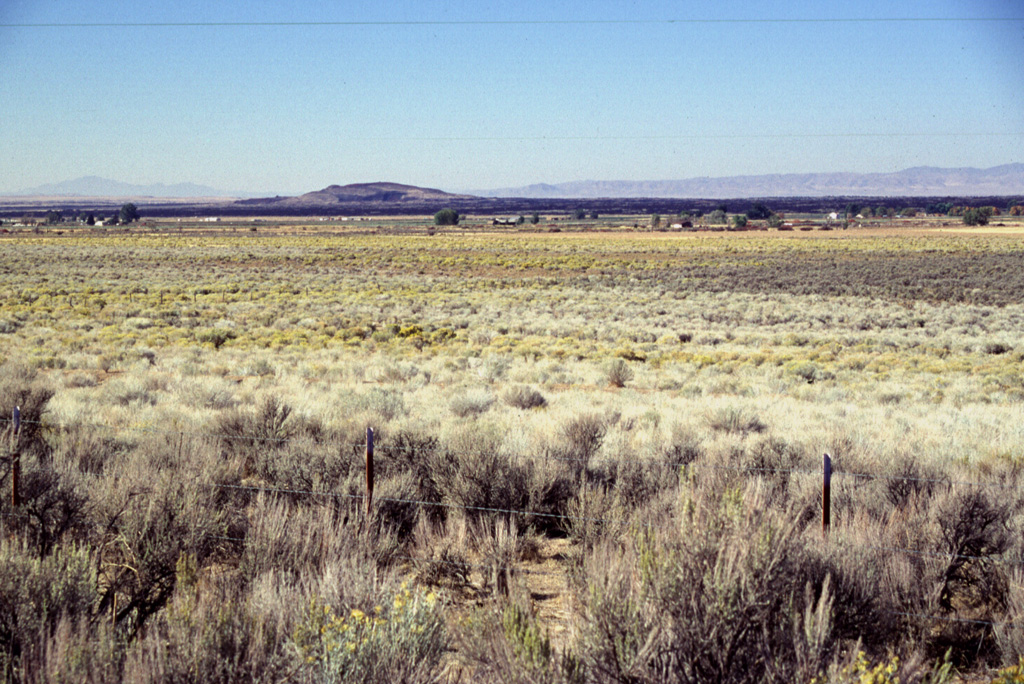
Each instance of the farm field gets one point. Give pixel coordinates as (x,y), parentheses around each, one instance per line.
(597,454)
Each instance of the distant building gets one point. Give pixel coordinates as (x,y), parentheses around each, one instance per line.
(507,221)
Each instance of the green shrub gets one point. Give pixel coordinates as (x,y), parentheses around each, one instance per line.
(298,540)
(214,635)
(387,404)
(472,472)
(36,594)
(524,397)
(20,387)
(250,435)
(472,403)
(582,437)
(975,217)
(145,536)
(446,217)
(54,505)
(731,596)
(216,337)
(618,372)
(996,348)
(734,420)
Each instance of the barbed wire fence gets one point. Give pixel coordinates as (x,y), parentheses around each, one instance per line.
(11,431)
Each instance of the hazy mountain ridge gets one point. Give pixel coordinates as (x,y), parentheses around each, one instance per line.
(96,186)
(1007,179)
(921,181)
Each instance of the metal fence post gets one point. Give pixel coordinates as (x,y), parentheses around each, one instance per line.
(826,495)
(369,470)
(16,459)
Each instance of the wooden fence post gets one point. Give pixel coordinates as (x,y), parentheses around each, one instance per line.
(16,459)
(369,470)
(826,495)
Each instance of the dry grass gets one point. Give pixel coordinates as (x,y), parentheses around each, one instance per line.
(652,401)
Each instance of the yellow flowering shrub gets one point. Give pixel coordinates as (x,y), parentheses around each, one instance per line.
(1011,675)
(402,639)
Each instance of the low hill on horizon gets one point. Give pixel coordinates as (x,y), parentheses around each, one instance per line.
(359,192)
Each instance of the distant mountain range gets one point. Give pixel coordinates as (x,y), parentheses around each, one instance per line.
(921,181)
(95,186)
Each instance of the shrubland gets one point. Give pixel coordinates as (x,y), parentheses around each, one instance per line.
(598,458)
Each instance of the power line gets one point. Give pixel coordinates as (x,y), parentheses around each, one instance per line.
(701,136)
(513,22)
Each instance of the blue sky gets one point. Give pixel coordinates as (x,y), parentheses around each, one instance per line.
(289,97)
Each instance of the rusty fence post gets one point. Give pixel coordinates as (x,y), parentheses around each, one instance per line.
(826,495)
(369,470)
(16,459)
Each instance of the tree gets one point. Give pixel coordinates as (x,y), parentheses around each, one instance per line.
(739,221)
(129,212)
(90,220)
(53,217)
(758,212)
(655,220)
(975,217)
(774,221)
(852,209)
(535,218)
(723,207)
(579,214)
(446,217)
(593,213)
(717,217)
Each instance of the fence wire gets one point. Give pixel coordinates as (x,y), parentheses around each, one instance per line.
(385,448)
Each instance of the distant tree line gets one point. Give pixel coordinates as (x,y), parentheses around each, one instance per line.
(128,213)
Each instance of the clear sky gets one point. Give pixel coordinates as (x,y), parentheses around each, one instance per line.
(271,96)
